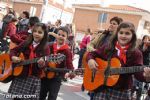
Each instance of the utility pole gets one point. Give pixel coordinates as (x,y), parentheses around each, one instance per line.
(45,3)
(62,9)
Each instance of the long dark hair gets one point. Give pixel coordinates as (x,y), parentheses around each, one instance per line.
(142,41)
(43,42)
(114,38)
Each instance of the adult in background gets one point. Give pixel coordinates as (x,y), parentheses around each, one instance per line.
(145,48)
(105,36)
(53,31)
(23,22)
(10,28)
(85,40)
(21,36)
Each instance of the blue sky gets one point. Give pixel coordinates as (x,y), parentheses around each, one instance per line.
(144,4)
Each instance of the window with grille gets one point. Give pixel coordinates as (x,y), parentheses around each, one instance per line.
(102,18)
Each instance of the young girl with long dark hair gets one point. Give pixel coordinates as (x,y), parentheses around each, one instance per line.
(28,83)
(123,47)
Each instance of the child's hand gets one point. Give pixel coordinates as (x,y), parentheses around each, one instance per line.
(147,74)
(41,62)
(70,75)
(16,59)
(92,64)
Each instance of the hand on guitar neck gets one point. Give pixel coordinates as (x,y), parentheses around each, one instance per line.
(16,59)
(70,75)
(147,74)
(40,62)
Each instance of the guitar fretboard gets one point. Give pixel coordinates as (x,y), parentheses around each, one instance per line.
(49,58)
(126,70)
(58,69)
(26,62)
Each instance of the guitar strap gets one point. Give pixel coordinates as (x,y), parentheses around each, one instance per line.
(106,73)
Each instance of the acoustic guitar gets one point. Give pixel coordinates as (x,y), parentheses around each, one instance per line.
(95,78)
(56,60)
(8,69)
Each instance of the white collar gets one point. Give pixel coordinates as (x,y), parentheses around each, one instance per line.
(30,31)
(35,44)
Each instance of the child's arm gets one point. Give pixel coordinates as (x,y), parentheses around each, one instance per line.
(53,34)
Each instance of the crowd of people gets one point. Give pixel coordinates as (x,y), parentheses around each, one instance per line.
(35,39)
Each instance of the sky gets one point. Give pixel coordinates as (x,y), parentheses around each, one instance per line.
(144,4)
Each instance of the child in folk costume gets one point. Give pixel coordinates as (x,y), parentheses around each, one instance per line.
(52,85)
(122,47)
(28,83)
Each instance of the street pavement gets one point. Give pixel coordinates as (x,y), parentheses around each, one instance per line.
(70,90)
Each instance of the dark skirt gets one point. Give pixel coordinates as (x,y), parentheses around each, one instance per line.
(27,88)
(111,94)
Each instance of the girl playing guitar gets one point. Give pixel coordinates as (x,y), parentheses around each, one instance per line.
(122,46)
(28,83)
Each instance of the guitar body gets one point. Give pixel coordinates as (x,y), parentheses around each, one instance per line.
(50,75)
(7,71)
(5,68)
(99,76)
(17,70)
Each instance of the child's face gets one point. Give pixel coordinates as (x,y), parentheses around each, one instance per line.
(124,36)
(62,37)
(38,34)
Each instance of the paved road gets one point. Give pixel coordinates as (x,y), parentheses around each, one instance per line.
(70,90)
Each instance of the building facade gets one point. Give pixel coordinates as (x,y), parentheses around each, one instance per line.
(46,10)
(97,18)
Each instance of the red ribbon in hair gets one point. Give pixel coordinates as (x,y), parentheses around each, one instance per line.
(123,50)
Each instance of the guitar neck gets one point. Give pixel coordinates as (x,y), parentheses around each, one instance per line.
(58,69)
(126,70)
(53,58)
(26,62)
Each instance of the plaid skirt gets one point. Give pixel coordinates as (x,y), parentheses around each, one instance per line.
(28,88)
(111,94)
